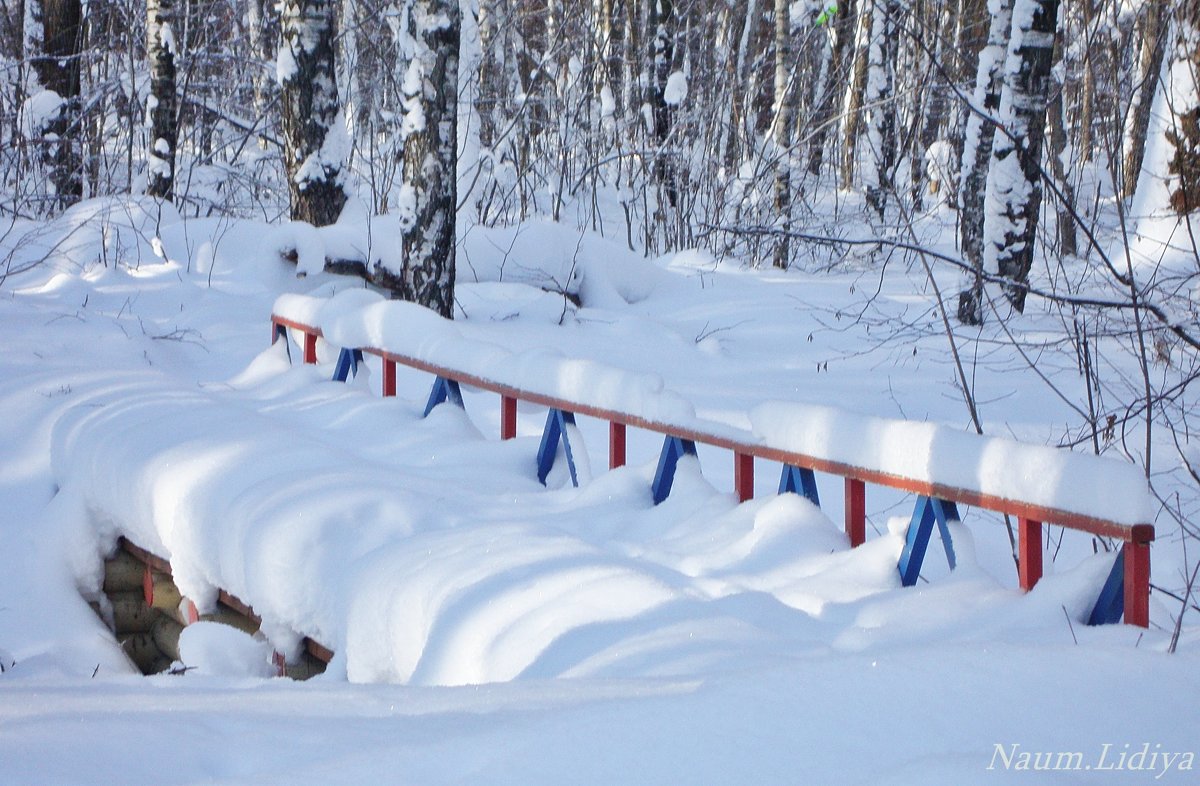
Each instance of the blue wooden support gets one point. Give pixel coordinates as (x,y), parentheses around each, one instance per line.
(557,421)
(347,364)
(799,480)
(1111,603)
(929,511)
(280,332)
(444,390)
(674,448)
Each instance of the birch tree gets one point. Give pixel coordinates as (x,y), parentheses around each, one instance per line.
(842,28)
(881,108)
(661,54)
(315,139)
(1014,177)
(429,197)
(978,137)
(784,127)
(161,105)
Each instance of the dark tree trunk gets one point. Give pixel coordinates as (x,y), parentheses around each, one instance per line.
(1015,178)
(662,52)
(830,90)
(315,143)
(164,129)
(880,103)
(59,69)
(783,128)
(262,18)
(431,155)
(1067,241)
(1154,46)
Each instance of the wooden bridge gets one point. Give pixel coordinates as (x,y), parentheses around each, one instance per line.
(1126,592)
(941,467)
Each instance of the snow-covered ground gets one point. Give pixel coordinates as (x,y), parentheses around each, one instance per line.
(488,629)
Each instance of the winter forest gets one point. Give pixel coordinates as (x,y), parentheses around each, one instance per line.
(786,134)
(987,209)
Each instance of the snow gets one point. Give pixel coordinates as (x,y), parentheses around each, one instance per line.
(489,629)
(927,452)
(608,104)
(213,650)
(329,158)
(676,91)
(37,111)
(166,35)
(286,66)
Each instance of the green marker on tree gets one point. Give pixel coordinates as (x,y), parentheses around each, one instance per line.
(827,14)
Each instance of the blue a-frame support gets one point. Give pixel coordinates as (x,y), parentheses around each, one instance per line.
(929,510)
(799,480)
(347,364)
(1111,603)
(444,390)
(674,448)
(557,421)
(281,333)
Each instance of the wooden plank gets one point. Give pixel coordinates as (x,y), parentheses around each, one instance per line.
(236,613)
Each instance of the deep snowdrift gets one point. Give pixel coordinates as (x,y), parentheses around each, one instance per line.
(699,640)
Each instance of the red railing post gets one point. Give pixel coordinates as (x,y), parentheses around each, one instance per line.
(310,347)
(1029,552)
(1137,584)
(743,476)
(616,445)
(389,377)
(856,511)
(508,417)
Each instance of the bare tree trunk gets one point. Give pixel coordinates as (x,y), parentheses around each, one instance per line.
(1153,49)
(315,140)
(662,52)
(59,69)
(783,128)
(1014,178)
(854,98)
(164,125)
(823,118)
(976,156)
(880,102)
(729,149)
(934,111)
(1087,105)
(262,19)
(431,155)
(1067,245)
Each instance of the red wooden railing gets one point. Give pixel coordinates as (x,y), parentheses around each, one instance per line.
(1135,538)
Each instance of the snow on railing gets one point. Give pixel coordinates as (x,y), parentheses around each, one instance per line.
(1036,484)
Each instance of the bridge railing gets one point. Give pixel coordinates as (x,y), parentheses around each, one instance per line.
(1036,485)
